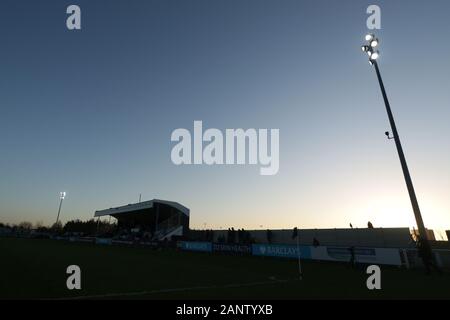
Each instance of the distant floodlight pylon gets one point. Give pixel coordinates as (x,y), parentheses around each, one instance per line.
(62,195)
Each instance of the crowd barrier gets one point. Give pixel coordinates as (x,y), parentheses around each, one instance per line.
(406,257)
(386,256)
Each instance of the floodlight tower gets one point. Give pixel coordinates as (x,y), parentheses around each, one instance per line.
(370,49)
(62,195)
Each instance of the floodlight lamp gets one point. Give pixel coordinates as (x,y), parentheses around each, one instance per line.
(62,195)
(375,55)
(374,43)
(369,37)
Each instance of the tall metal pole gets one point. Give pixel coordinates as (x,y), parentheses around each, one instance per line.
(59,210)
(401,155)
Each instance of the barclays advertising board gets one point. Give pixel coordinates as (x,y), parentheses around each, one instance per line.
(282,251)
(195,246)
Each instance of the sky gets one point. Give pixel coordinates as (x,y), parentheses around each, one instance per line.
(91,111)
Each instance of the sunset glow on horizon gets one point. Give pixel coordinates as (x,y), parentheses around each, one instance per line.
(92,112)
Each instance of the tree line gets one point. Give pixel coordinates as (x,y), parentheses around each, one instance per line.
(88,227)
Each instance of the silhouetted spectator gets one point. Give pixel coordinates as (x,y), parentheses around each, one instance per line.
(316,242)
(369,225)
(243,236)
(352,256)
(247,237)
(229,235)
(295,233)
(269,236)
(426,254)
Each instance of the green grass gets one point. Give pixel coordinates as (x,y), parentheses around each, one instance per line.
(31,268)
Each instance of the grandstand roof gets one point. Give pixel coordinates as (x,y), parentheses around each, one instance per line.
(140,206)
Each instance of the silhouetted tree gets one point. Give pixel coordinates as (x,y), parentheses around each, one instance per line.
(25,225)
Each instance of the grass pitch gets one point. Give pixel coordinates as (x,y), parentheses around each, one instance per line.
(36,269)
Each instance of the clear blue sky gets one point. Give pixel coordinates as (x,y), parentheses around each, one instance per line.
(90,112)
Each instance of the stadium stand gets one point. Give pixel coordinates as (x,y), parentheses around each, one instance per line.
(151,220)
